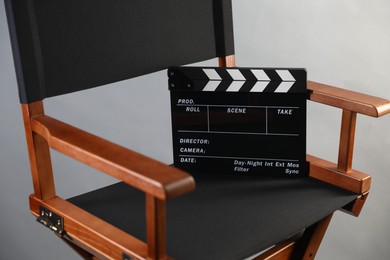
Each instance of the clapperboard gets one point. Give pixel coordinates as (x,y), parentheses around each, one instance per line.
(239,120)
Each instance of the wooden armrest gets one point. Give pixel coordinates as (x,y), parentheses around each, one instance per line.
(349,100)
(326,171)
(85,229)
(146,174)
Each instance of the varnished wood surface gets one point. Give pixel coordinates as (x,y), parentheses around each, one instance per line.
(39,154)
(144,173)
(310,242)
(282,251)
(349,100)
(228,61)
(299,246)
(85,230)
(326,171)
(156,228)
(347,140)
(84,254)
(355,207)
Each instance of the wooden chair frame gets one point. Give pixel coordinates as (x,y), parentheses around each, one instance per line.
(93,238)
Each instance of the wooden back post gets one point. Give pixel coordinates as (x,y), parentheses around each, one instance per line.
(39,154)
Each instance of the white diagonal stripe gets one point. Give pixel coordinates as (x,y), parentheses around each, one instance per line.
(260,75)
(235,86)
(284,87)
(211,85)
(259,86)
(212,74)
(285,75)
(236,74)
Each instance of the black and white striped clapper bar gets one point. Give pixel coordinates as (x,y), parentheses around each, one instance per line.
(240,121)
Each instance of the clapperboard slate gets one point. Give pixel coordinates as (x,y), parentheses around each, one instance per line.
(239,120)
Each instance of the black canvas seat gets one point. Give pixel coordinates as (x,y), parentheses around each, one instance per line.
(224,218)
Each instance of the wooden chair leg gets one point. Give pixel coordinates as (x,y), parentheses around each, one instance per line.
(156,228)
(308,245)
(282,251)
(355,207)
(303,245)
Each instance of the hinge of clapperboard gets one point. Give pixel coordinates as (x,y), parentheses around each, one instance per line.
(179,81)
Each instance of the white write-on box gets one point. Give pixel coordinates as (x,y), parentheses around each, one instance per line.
(239,120)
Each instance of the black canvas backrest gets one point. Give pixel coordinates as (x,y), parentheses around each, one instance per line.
(62,46)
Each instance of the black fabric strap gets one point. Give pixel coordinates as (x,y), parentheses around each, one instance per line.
(25,49)
(223,24)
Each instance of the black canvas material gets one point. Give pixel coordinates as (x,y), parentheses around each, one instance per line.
(62,46)
(229,218)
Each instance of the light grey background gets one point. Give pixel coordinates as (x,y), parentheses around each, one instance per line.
(344,43)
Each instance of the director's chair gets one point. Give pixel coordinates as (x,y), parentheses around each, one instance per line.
(155,211)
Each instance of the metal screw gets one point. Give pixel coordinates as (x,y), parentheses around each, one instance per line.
(172,85)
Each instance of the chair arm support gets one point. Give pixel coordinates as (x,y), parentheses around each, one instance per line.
(349,100)
(326,171)
(139,171)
